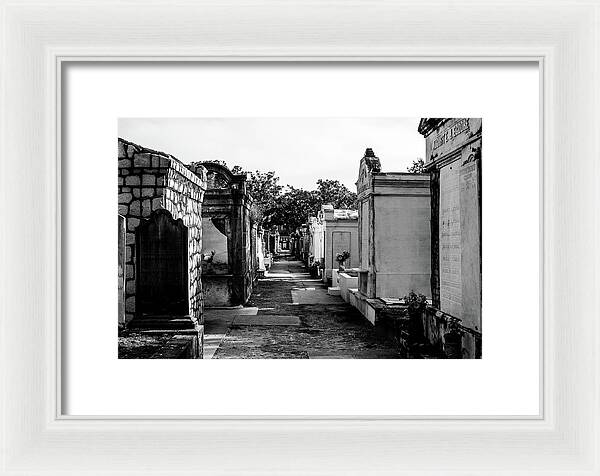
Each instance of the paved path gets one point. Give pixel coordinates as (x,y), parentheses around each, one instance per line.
(291,316)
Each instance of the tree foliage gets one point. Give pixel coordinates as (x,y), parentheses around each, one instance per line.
(296,205)
(293,208)
(217,161)
(336,193)
(290,207)
(266,192)
(416,167)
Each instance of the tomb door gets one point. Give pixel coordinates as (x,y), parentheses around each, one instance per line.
(162,266)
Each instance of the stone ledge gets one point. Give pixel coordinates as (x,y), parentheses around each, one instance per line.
(162,343)
(179,347)
(142,157)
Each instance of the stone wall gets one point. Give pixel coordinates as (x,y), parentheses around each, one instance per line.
(149,181)
(449,337)
(121,269)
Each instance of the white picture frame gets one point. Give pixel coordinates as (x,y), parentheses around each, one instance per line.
(39,37)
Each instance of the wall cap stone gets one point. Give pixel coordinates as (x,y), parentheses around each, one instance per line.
(166,161)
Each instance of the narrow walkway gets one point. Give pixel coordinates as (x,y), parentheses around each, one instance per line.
(291,316)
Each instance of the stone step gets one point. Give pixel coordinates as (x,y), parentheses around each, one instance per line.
(267,320)
(334,291)
(161,323)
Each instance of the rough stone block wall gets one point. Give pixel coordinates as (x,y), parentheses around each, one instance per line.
(149,180)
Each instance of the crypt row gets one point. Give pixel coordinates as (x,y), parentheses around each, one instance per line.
(412,232)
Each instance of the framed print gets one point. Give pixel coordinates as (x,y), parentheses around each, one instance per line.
(288,314)
(351,238)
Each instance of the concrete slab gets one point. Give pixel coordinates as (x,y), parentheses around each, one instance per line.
(316,296)
(371,354)
(211,344)
(267,320)
(389,300)
(324,355)
(217,322)
(225,312)
(334,291)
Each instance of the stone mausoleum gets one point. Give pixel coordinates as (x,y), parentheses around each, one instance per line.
(160,242)
(393,234)
(315,242)
(229,262)
(453,159)
(340,233)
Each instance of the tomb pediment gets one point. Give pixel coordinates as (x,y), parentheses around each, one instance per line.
(369,165)
(218,176)
(428,124)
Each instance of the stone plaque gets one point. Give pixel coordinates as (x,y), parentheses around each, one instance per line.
(364,234)
(450,240)
(340,242)
(470,238)
(162,266)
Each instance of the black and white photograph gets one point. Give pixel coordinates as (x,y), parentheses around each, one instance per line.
(299,238)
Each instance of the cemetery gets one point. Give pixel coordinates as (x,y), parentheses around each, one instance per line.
(397,264)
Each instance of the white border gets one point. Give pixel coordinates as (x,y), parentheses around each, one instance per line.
(37,35)
(505,382)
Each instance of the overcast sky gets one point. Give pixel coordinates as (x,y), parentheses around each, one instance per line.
(299,150)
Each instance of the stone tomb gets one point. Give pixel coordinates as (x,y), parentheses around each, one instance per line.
(394,236)
(453,158)
(315,242)
(228,266)
(394,231)
(340,232)
(160,201)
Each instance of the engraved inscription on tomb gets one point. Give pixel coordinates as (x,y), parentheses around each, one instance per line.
(450,246)
(450,133)
(470,241)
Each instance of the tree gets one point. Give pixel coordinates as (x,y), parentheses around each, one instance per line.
(217,161)
(294,207)
(335,193)
(266,191)
(290,208)
(416,167)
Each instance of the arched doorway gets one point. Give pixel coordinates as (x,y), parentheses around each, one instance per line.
(162,266)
